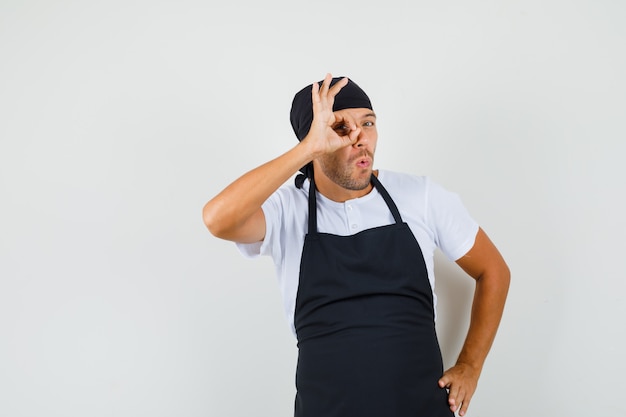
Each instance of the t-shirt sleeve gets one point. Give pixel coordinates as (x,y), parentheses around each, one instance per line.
(454,229)
(270,245)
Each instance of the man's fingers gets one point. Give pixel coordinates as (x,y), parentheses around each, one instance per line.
(328,93)
(325,92)
(354,133)
(453,398)
(315,94)
(461,384)
(464,402)
(464,407)
(319,94)
(337,87)
(459,400)
(326,85)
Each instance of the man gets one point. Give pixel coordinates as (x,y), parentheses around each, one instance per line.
(354,260)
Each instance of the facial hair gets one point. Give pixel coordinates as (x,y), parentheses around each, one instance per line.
(341,173)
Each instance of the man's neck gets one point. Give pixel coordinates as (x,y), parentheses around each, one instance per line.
(337,193)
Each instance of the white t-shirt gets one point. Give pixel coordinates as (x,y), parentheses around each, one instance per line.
(436,217)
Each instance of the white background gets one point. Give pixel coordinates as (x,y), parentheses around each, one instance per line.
(120,119)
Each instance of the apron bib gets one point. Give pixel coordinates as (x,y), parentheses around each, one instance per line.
(364,321)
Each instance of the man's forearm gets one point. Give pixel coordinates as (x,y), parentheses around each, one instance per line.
(487,308)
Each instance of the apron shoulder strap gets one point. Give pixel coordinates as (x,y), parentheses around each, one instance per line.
(312,207)
(390,203)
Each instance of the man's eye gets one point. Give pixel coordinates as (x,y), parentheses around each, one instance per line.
(341,128)
(368,124)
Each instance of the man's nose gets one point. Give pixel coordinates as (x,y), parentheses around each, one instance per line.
(361,140)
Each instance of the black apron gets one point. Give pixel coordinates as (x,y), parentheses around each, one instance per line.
(365,324)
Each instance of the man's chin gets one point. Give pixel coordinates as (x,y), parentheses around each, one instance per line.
(363,181)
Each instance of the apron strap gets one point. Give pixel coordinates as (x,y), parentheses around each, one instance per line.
(390,203)
(312,207)
(383,192)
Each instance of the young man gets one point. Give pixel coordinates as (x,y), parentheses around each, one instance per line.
(354,260)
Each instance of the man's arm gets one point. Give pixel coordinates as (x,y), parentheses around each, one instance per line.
(485,264)
(235,213)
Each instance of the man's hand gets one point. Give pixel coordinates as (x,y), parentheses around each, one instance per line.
(324,135)
(461,381)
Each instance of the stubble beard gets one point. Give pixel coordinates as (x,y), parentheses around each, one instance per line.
(341,173)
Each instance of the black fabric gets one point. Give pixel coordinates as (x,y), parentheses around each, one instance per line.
(364,320)
(350,97)
(307,172)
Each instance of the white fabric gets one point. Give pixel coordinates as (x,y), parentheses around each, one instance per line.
(436,217)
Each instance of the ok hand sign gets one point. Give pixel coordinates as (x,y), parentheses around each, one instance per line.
(327,134)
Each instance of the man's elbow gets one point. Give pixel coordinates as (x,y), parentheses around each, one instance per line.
(502,277)
(231,224)
(496,276)
(213,222)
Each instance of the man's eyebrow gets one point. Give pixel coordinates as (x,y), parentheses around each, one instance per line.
(372,114)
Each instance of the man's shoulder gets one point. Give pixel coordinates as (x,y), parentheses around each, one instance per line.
(288,196)
(289,189)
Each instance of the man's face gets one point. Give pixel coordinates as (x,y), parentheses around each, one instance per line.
(351,167)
